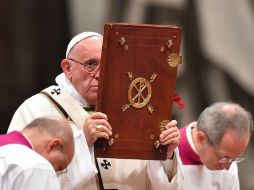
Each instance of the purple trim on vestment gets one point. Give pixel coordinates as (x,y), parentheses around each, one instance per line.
(188,156)
(14,137)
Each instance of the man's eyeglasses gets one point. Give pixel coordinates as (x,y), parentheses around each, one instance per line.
(91,66)
(65,170)
(226,160)
(229,160)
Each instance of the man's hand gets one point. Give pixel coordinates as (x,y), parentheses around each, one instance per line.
(170,136)
(96,126)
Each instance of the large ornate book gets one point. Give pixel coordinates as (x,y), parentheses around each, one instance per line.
(136,88)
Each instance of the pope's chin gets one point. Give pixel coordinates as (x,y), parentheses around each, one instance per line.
(92,98)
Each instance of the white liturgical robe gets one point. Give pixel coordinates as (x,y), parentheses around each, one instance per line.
(116,173)
(21,168)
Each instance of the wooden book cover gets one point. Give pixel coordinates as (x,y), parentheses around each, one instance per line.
(136,88)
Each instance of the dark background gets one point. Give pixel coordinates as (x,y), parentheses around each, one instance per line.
(34,36)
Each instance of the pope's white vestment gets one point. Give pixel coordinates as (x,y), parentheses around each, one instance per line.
(21,168)
(116,173)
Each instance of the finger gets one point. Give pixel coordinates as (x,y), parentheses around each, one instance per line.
(104,123)
(168,131)
(98,115)
(172,123)
(102,135)
(103,128)
(91,122)
(172,141)
(169,137)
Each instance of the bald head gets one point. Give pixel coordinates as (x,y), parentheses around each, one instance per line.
(52,137)
(53,126)
(216,119)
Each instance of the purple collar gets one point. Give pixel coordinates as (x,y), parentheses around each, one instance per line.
(14,137)
(188,156)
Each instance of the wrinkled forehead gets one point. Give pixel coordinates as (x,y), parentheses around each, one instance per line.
(78,38)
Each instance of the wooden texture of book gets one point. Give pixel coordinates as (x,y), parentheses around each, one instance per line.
(136,88)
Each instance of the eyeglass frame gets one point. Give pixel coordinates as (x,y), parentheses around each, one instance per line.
(86,64)
(230,160)
(65,170)
(226,160)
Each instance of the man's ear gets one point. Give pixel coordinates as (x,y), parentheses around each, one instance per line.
(66,67)
(201,137)
(54,144)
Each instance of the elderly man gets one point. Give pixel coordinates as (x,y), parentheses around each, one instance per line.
(76,89)
(30,158)
(211,147)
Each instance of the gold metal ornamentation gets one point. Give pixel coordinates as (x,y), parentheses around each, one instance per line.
(162,49)
(163,125)
(130,75)
(169,43)
(150,108)
(122,41)
(174,60)
(125,107)
(157,144)
(143,90)
(99,128)
(110,141)
(139,92)
(153,77)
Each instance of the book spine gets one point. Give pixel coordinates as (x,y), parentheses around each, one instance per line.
(106,36)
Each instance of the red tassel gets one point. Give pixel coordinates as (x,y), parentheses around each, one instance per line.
(179,102)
